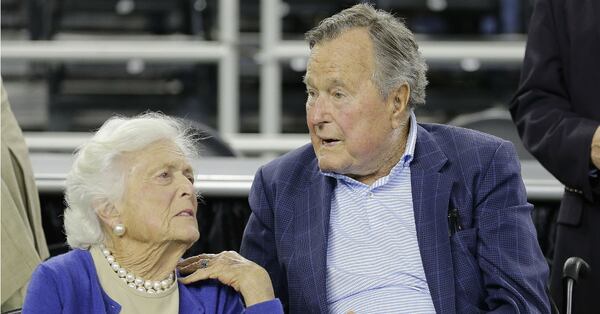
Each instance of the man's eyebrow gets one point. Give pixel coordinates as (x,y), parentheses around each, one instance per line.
(336,82)
(330,82)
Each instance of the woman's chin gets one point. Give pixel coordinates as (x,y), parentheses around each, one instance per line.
(187,232)
(187,236)
(191,237)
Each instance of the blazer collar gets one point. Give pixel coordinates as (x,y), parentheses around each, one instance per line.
(431,189)
(428,156)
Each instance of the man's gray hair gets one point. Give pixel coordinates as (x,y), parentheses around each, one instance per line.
(96,176)
(396,53)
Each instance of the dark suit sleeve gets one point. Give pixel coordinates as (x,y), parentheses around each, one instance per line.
(258,243)
(549,127)
(514,271)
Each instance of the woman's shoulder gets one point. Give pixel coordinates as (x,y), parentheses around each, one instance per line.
(209,295)
(217,298)
(209,287)
(70,262)
(65,283)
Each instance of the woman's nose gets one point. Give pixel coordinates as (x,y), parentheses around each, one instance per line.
(186,186)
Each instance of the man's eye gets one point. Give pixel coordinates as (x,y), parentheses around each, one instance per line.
(164,174)
(338,95)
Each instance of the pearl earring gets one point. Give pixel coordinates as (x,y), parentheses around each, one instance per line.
(119,230)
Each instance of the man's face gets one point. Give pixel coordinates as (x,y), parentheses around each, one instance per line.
(354,130)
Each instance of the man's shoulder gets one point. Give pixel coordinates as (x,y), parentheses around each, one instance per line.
(453,139)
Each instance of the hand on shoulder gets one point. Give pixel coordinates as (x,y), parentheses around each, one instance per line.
(230,268)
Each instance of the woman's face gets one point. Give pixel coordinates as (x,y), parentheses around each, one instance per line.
(159,202)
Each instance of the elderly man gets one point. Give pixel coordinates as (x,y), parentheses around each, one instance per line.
(383,214)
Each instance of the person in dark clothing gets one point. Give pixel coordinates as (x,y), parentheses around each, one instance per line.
(558,117)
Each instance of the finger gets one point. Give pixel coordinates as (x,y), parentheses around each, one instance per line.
(194,259)
(215,272)
(198,275)
(199,264)
(231,254)
(202,274)
(222,258)
(226,277)
(231,258)
(187,261)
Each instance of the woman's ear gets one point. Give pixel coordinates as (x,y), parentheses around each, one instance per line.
(399,98)
(107,212)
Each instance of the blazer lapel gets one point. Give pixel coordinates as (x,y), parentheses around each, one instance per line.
(311,229)
(431,194)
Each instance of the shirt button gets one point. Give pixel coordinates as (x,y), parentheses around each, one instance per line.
(370,194)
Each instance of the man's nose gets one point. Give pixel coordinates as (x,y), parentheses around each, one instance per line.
(319,111)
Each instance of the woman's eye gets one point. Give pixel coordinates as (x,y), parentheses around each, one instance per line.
(164,175)
(338,95)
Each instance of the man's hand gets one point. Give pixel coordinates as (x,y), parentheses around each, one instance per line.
(230,268)
(596,148)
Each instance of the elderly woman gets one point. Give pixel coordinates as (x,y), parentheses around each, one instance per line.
(131,215)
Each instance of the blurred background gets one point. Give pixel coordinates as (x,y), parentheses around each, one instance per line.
(68,64)
(234,69)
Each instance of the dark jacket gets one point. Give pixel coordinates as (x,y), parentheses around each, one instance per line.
(493,263)
(557,110)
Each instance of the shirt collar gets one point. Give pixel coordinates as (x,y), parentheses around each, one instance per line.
(404,161)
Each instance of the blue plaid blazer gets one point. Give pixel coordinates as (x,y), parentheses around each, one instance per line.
(493,263)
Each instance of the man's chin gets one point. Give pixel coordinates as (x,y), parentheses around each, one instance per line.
(326,165)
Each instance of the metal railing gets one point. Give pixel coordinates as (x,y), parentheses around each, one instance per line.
(246,144)
(227,176)
(224,52)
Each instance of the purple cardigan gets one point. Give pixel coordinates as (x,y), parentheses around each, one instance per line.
(68,283)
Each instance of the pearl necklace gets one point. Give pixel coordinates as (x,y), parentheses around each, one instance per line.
(135,282)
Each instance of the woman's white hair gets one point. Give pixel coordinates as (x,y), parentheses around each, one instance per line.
(95,177)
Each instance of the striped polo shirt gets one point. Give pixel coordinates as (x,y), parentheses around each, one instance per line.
(373,258)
